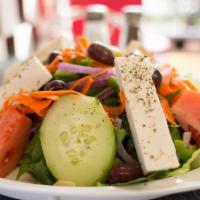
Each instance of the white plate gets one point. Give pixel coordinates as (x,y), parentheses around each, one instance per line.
(154,189)
(150,190)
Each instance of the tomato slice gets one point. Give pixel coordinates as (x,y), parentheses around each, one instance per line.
(14,136)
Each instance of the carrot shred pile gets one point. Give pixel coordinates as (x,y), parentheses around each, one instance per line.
(167,110)
(82,44)
(85,78)
(69,54)
(52,67)
(172,82)
(114,111)
(35,102)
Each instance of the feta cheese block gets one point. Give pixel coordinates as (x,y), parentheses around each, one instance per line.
(31,76)
(152,139)
(42,54)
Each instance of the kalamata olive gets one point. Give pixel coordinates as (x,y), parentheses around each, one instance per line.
(157,78)
(124,172)
(55,85)
(53,55)
(101,53)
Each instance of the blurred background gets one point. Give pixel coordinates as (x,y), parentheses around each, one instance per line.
(168,28)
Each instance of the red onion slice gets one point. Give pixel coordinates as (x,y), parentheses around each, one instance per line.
(78,68)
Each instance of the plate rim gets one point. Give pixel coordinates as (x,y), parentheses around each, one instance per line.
(181,185)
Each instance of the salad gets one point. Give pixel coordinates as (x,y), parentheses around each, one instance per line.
(82,116)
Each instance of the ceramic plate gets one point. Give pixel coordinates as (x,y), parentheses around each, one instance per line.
(150,190)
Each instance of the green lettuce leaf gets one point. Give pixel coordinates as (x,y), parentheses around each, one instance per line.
(120,135)
(184,152)
(176,132)
(33,162)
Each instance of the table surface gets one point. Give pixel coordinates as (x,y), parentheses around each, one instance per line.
(187,62)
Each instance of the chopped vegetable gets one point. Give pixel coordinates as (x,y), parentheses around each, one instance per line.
(66,76)
(105,93)
(175,131)
(68,67)
(49,94)
(82,44)
(112,82)
(70,148)
(115,111)
(15,134)
(183,151)
(79,81)
(27,104)
(167,110)
(186,109)
(52,67)
(87,86)
(33,162)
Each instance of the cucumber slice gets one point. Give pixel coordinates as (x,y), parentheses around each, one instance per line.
(78,140)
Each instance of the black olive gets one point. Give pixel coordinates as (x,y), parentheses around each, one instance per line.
(157,78)
(53,55)
(124,172)
(55,85)
(101,53)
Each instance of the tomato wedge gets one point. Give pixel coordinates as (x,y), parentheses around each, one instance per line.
(14,136)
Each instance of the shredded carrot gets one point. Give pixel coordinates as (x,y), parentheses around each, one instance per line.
(82,44)
(79,81)
(167,110)
(190,85)
(70,54)
(87,85)
(52,67)
(51,94)
(172,82)
(168,85)
(27,104)
(115,111)
(35,102)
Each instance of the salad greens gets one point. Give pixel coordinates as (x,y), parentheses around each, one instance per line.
(120,135)
(176,132)
(184,152)
(80,125)
(112,82)
(33,162)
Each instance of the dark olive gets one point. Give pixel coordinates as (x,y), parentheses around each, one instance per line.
(101,53)
(55,85)
(53,55)
(124,172)
(157,78)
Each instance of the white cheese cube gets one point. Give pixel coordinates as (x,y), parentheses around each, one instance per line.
(148,125)
(42,54)
(32,76)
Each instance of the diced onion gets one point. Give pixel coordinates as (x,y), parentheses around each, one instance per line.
(125,156)
(187,138)
(118,122)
